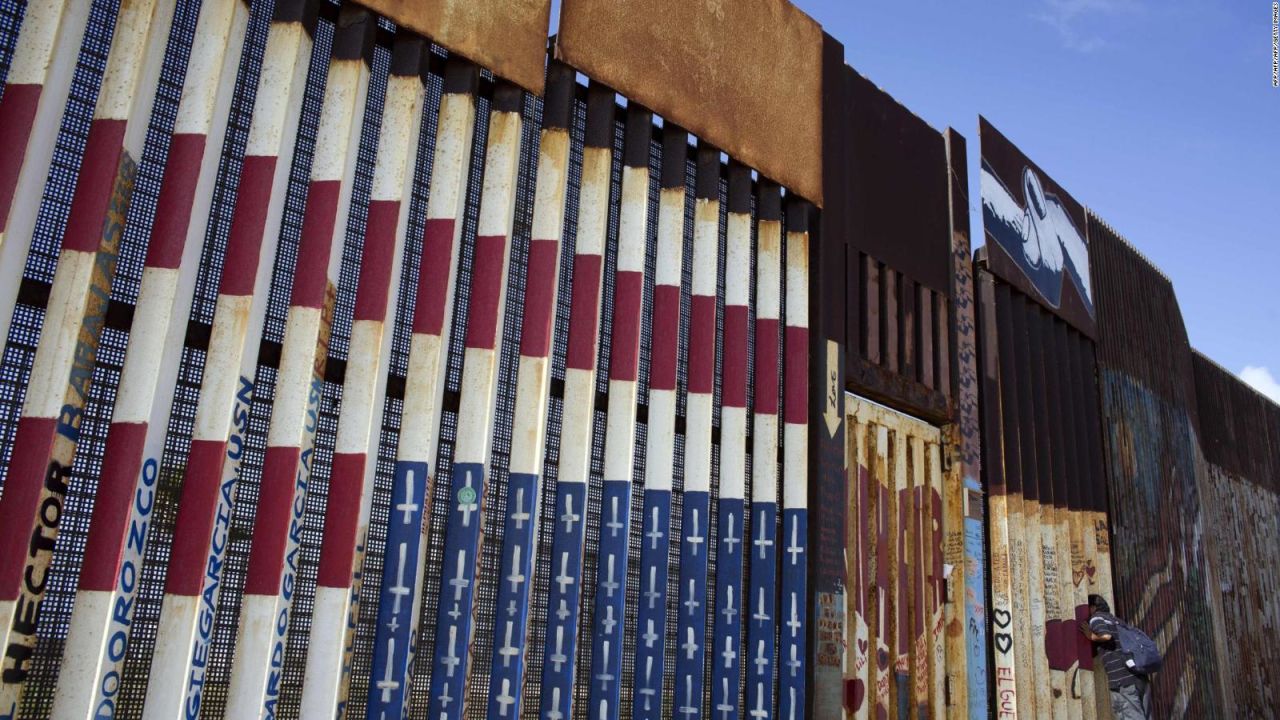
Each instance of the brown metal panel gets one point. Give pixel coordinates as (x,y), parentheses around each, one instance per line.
(943,348)
(508,37)
(899,190)
(890,319)
(744,76)
(873,308)
(1036,235)
(908,342)
(925,332)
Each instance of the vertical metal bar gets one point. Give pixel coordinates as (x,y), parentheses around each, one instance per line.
(1000,437)
(884,588)
(1083,546)
(256,666)
(919,575)
(483,347)
(35,95)
(965,614)
(1038,514)
(97,639)
(528,433)
(346,523)
(861,549)
(218,436)
(795,474)
(620,431)
(899,573)
(398,600)
(661,438)
(560,648)
(936,591)
(692,613)
(762,633)
(49,429)
(732,609)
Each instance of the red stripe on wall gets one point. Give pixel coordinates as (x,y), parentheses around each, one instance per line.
(702,344)
(271,526)
(628,295)
(28,467)
(111,508)
(376,260)
(196,515)
(486,290)
(173,209)
(17,113)
(310,277)
(734,387)
(666,337)
(766,373)
(433,276)
(796,375)
(247,224)
(584,312)
(539,298)
(346,485)
(98,172)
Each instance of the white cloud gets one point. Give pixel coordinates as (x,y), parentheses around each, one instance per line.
(1261,379)
(1071,18)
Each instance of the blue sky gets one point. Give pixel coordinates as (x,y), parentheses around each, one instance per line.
(1158,115)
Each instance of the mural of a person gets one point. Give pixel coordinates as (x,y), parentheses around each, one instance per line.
(1041,237)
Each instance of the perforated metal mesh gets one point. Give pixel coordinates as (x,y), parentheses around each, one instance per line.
(26,326)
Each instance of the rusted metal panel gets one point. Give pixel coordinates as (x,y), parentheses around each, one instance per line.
(965,613)
(725,71)
(828,486)
(1035,231)
(1162,573)
(899,190)
(893,467)
(508,37)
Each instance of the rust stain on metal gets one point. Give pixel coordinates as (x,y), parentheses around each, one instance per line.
(745,76)
(508,37)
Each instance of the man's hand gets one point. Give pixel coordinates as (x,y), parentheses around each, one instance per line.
(1089,633)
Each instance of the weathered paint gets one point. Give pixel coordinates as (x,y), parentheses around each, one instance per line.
(613,542)
(346,530)
(44,445)
(528,437)
(200,535)
(35,93)
(257,665)
(559,651)
(660,465)
(898,553)
(795,584)
(97,639)
(399,608)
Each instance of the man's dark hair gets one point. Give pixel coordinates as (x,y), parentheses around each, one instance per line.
(1099,603)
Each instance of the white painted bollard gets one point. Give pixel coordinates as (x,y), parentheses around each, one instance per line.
(218,441)
(732,609)
(560,648)
(93,659)
(620,425)
(35,95)
(661,436)
(257,664)
(481,350)
(793,608)
(404,561)
(761,631)
(346,523)
(49,429)
(692,605)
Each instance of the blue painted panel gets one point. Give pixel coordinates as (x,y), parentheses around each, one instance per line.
(726,650)
(795,528)
(506,674)
(393,641)
(692,610)
(560,648)
(610,600)
(652,613)
(762,623)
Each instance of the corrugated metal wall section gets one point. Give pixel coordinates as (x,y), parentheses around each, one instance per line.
(1163,576)
(1241,501)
